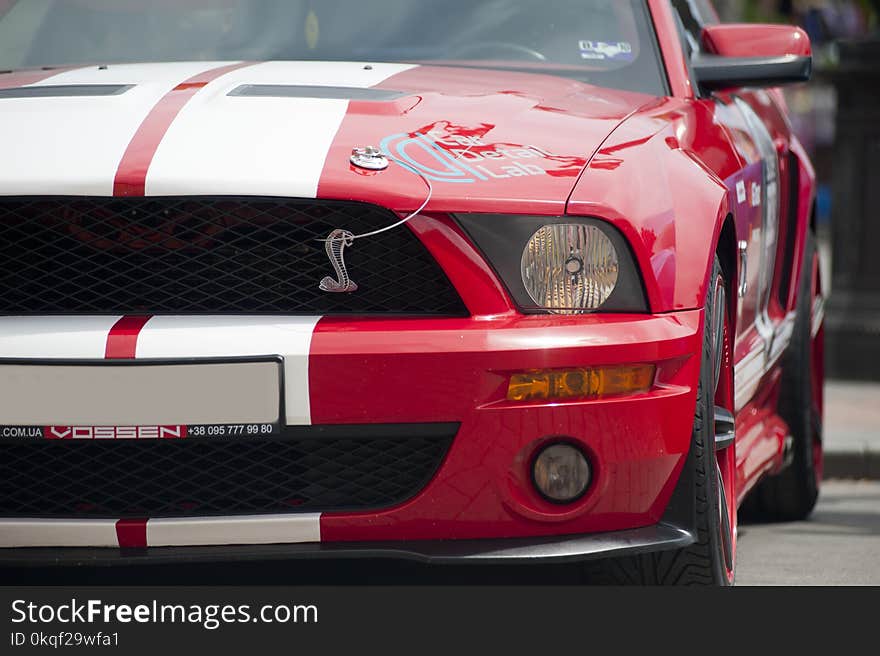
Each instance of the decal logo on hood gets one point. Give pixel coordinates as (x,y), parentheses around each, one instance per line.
(442,156)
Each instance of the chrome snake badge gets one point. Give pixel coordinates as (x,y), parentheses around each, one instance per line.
(335,246)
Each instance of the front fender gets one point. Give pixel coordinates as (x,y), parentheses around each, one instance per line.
(659,179)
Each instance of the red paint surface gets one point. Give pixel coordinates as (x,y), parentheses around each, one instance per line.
(470,274)
(131,533)
(122,338)
(131,177)
(747,40)
(25,77)
(670,48)
(675,155)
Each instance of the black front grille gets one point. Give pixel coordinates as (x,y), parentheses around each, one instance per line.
(62,255)
(356,468)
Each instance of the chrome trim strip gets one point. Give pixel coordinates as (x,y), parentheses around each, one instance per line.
(752,368)
(747,374)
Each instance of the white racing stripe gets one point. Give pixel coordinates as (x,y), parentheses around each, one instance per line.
(56,337)
(236,336)
(173,337)
(78,142)
(273,146)
(164,532)
(58,533)
(257,529)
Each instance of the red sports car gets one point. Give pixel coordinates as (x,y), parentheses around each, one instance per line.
(483,280)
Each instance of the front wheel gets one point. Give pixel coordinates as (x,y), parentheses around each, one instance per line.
(711,560)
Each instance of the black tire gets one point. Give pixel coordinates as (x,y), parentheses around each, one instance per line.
(702,563)
(791,495)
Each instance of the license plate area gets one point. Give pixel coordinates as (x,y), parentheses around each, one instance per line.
(141,399)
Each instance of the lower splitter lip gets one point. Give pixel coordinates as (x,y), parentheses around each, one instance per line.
(660,537)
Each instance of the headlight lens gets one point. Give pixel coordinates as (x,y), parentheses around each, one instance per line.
(564,265)
(570,268)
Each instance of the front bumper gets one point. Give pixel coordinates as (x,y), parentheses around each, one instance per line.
(457,370)
(423,371)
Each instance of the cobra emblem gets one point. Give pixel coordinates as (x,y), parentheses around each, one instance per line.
(335,246)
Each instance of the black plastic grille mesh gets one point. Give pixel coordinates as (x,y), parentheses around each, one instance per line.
(208,256)
(202,477)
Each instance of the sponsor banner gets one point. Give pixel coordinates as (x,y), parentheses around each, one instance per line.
(156,432)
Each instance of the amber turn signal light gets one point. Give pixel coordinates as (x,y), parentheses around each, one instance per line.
(586,383)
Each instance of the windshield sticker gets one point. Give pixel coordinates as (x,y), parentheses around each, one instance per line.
(621,51)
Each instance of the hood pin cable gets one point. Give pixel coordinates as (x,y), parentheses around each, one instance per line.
(370,158)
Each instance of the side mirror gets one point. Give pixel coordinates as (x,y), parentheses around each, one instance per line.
(743,55)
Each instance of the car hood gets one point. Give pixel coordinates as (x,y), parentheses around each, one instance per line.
(483,140)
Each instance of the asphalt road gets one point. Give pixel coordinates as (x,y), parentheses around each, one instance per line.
(839,545)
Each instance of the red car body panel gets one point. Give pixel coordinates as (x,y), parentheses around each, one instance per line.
(663,149)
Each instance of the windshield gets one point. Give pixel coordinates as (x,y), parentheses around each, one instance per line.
(603,42)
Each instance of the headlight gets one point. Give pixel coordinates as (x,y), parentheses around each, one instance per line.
(564,265)
(569,268)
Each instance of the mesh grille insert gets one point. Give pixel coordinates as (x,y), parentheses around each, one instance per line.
(62,255)
(188,477)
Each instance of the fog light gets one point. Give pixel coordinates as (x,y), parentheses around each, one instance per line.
(561,473)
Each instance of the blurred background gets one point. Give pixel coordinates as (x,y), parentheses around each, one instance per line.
(837,117)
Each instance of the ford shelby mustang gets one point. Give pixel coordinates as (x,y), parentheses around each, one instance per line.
(495,280)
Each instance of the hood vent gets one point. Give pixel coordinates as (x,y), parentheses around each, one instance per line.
(322,92)
(65,91)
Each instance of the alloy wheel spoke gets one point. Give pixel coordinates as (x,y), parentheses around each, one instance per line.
(726,535)
(718,312)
